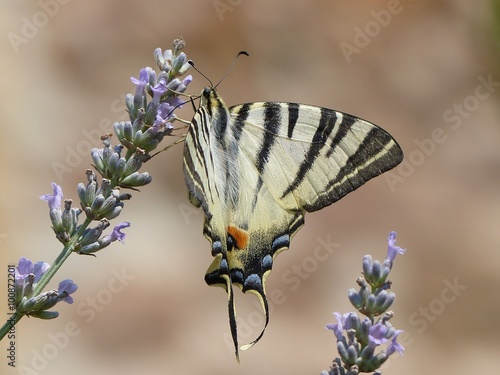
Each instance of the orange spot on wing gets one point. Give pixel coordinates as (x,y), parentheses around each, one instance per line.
(239,235)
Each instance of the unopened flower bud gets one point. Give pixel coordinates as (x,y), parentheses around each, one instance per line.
(136,179)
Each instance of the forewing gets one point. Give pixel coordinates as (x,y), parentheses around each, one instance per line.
(310,157)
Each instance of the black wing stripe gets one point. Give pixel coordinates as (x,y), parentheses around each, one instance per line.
(194,143)
(219,118)
(239,121)
(371,146)
(342,131)
(327,123)
(293,115)
(272,120)
(372,157)
(194,176)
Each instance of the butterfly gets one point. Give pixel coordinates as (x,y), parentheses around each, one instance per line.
(256,168)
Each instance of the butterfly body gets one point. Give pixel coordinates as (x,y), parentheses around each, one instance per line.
(257,168)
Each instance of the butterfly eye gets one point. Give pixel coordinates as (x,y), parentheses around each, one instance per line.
(206,92)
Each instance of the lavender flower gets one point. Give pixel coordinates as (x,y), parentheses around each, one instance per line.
(66,287)
(164,90)
(141,82)
(394,345)
(393,250)
(151,118)
(64,222)
(27,275)
(357,341)
(101,243)
(116,234)
(54,199)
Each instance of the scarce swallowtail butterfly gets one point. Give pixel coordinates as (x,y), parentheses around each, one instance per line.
(256,168)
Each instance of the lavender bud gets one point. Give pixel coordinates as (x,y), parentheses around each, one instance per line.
(114,212)
(69,217)
(355,298)
(97,158)
(136,179)
(96,205)
(56,220)
(113,160)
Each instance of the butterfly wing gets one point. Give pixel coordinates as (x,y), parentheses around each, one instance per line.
(257,168)
(309,157)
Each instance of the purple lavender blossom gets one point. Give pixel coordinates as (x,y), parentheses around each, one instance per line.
(66,287)
(116,234)
(356,340)
(141,82)
(54,199)
(164,113)
(339,327)
(393,250)
(395,346)
(159,90)
(27,276)
(26,267)
(377,334)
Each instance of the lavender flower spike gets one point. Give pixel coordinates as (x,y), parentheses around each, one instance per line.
(359,342)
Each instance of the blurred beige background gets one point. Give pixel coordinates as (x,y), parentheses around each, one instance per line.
(419,73)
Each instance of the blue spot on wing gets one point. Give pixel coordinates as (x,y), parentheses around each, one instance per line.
(253,282)
(267,263)
(281,242)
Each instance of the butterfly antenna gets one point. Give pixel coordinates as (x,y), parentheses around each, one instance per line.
(231,66)
(191,62)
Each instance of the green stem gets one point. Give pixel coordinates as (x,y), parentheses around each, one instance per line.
(47,276)
(11,322)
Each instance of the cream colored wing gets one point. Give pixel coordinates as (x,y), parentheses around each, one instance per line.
(256,168)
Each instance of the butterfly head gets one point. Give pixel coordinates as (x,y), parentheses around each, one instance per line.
(211,100)
(208,95)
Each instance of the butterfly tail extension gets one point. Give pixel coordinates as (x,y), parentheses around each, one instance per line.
(218,275)
(231,307)
(265,307)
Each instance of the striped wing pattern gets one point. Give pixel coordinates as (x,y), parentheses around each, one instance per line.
(256,168)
